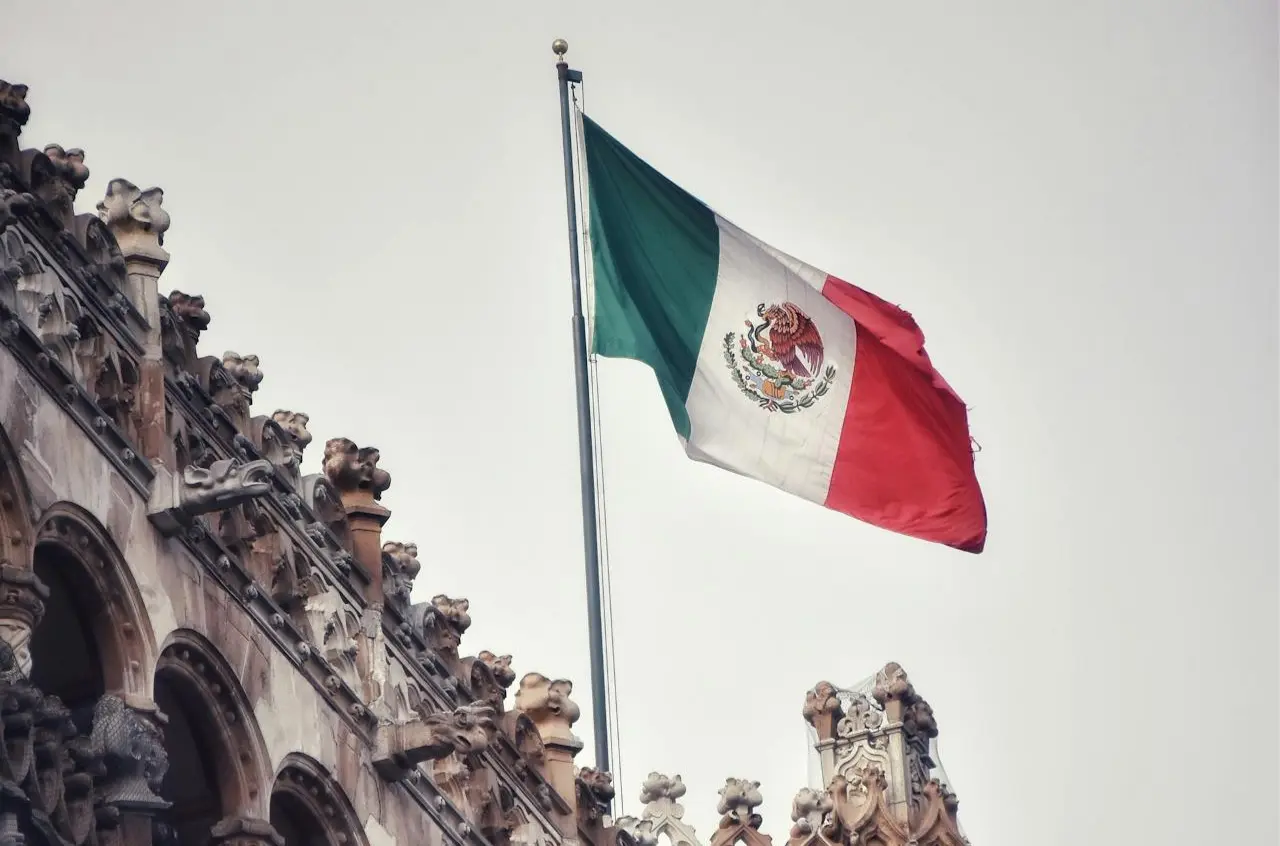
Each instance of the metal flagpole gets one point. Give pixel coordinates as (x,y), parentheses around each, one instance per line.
(586,451)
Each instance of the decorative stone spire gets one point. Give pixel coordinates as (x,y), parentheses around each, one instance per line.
(138,221)
(548,704)
(739,822)
(354,473)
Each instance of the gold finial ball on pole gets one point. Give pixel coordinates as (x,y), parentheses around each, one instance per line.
(560,47)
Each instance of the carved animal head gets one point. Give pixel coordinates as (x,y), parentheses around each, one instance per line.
(544,699)
(599,784)
(351,468)
(225,483)
(453,611)
(468,730)
(243,368)
(500,666)
(295,423)
(189,310)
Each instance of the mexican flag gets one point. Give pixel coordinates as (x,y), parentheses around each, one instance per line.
(771,368)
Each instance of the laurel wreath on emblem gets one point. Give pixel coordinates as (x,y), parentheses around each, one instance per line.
(775,362)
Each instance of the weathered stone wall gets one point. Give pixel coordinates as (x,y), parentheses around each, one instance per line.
(204,562)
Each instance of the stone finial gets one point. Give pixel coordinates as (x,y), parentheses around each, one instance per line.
(400,566)
(822,709)
(892,684)
(546,702)
(353,469)
(739,799)
(809,810)
(294,424)
(137,219)
(660,788)
(68,176)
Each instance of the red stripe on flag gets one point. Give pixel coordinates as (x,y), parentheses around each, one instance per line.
(905,460)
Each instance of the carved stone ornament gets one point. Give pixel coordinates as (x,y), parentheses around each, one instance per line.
(68,175)
(892,684)
(353,469)
(739,823)
(467,730)
(739,799)
(182,319)
(822,709)
(441,623)
(226,483)
(13,205)
(246,375)
(134,755)
(809,814)
(244,831)
(14,113)
(864,715)
(22,596)
(595,794)
(136,218)
(546,702)
(294,424)
(400,566)
(488,676)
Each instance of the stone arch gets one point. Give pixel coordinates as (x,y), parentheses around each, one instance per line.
(218,762)
(95,636)
(310,808)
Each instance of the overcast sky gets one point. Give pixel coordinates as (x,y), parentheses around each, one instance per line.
(1077,200)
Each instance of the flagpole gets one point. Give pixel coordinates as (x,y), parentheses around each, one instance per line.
(586,451)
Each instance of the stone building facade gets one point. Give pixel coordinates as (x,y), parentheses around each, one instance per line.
(200,645)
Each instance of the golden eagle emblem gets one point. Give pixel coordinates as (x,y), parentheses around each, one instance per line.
(779,362)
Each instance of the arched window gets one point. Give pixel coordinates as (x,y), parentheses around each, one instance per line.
(216,755)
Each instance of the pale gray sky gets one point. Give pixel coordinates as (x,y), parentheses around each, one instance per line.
(1077,200)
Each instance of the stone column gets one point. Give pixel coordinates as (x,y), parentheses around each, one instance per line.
(22,596)
(138,221)
(546,702)
(134,763)
(354,471)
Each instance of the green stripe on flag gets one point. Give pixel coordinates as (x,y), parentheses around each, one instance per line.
(655,252)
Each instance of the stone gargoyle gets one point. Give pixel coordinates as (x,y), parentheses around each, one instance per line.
(226,483)
(467,730)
